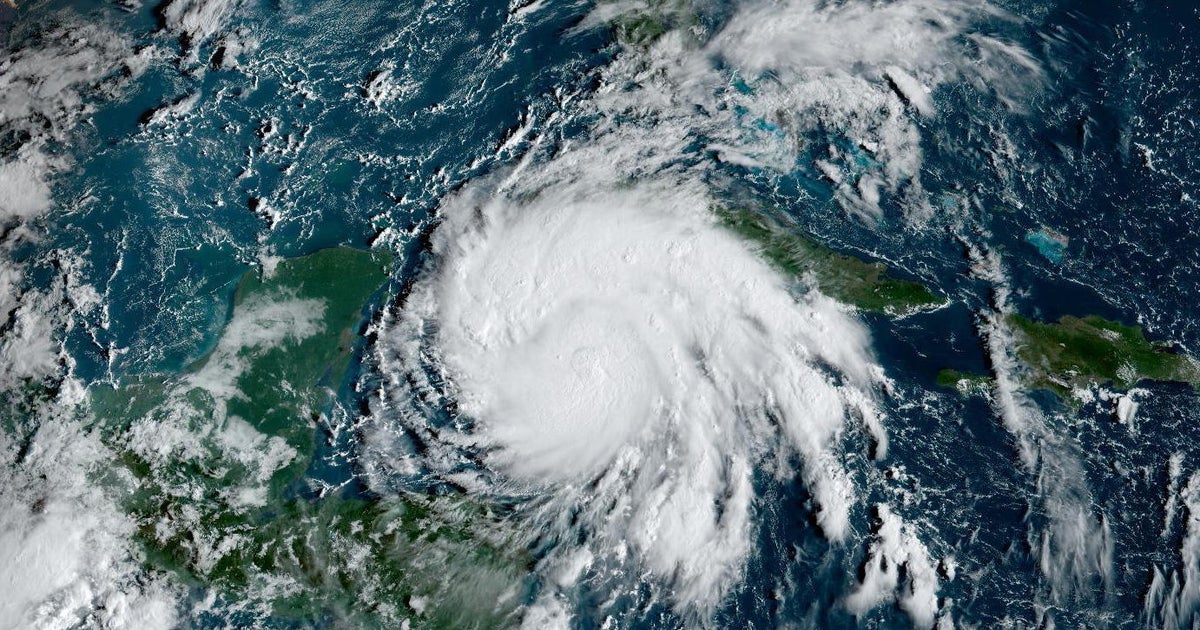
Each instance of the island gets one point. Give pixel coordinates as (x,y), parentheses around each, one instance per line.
(864,285)
(1078,352)
(964,382)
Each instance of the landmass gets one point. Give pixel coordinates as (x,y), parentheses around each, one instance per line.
(218,457)
(639,29)
(1061,356)
(864,285)
(640,25)
(1075,352)
(964,382)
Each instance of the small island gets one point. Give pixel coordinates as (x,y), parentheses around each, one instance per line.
(964,382)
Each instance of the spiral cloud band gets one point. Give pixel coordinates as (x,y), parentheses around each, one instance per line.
(619,350)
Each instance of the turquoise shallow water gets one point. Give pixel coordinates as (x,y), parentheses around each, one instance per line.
(348,123)
(1049,244)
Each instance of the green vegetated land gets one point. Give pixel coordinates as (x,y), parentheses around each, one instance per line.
(641,26)
(964,382)
(640,29)
(1079,351)
(864,285)
(218,454)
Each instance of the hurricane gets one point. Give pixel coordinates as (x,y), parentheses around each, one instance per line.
(617,314)
(589,337)
(620,356)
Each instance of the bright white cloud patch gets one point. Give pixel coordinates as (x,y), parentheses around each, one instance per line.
(23,193)
(1076,544)
(898,569)
(865,72)
(611,351)
(622,337)
(65,557)
(1173,597)
(196,21)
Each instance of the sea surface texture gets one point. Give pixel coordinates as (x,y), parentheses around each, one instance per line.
(620,314)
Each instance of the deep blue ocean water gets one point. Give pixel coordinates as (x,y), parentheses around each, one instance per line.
(166,217)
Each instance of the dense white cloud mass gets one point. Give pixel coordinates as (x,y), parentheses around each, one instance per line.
(620,352)
(609,350)
(23,193)
(197,20)
(847,37)
(65,560)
